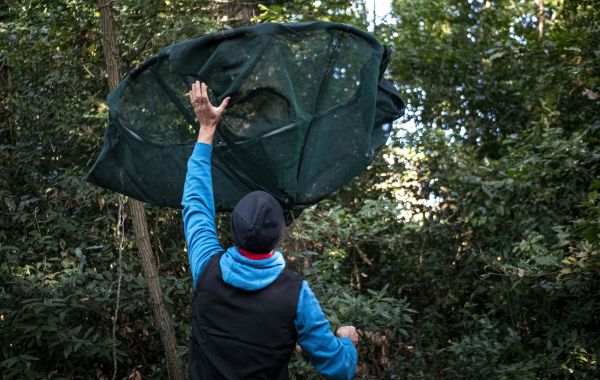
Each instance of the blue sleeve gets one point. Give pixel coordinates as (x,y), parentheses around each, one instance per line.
(199,211)
(333,357)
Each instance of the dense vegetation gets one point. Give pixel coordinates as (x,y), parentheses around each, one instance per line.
(469,249)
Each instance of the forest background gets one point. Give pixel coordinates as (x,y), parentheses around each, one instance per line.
(468,249)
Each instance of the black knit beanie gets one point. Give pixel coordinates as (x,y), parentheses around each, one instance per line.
(257,222)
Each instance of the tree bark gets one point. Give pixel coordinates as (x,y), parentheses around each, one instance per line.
(6,102)
(541,17)
(138,215)
(161,317)
(7,111)
(235,13)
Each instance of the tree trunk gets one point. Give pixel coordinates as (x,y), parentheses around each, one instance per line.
(7,110)
(138,215)
(480,31)
(7,113)
(235,13)
(541,17)
(161,316)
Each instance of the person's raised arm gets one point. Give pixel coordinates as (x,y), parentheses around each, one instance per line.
(198,201)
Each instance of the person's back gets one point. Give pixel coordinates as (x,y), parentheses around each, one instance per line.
(248,313)
(254,330)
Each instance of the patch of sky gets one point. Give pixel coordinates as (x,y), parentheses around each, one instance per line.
(379,12)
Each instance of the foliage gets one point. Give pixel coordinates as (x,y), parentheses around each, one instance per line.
(469,249)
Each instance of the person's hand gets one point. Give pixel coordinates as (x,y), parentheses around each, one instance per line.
(349,332)
(207,114)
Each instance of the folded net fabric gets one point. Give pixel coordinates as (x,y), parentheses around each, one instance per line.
(309,110)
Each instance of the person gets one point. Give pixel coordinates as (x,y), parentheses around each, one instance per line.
(247,312)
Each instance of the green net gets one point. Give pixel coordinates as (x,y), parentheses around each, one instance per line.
(309,110)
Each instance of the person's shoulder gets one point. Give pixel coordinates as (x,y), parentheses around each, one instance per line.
(292,282)
(291,276)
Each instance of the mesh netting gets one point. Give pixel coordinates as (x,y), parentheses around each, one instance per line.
(309,110)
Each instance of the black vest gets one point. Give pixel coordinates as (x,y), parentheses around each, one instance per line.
(239,334)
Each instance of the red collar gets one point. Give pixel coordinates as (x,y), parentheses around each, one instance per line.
(255,256)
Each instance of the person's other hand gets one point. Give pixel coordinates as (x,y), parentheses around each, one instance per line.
(349,332)
(207,114)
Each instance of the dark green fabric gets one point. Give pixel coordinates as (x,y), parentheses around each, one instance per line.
(309,110)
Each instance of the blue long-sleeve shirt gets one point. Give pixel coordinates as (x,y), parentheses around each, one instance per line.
(333,357)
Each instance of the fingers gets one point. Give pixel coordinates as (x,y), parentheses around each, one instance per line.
(348,332)
(191,94)
(194,93)
(204,95)
(224,104)
(199,98)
